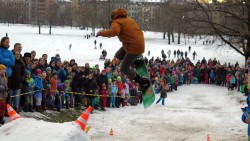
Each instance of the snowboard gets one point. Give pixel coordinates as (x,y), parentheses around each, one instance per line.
(148,97)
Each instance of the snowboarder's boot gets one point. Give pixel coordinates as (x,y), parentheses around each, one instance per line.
(138,62)
(2,121)
(144,82)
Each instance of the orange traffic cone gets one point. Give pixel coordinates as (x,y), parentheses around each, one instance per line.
(82,120)
(12,113)
(208,138)
(111,132)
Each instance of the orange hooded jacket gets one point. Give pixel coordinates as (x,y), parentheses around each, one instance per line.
(128,32)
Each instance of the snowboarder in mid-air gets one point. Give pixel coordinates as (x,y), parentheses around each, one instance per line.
(133,45)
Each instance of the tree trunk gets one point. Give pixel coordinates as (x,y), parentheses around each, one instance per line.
(50,25)
(39,28)
(172,36)
(179,37)
(247,51)
(164,35)
(169,38)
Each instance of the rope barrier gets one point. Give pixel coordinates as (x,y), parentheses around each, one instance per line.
(75,93)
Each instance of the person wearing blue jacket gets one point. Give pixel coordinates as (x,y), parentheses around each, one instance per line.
(114,93)
(212,77)
(6,56)
(245,119)
(38,90)
(62,74)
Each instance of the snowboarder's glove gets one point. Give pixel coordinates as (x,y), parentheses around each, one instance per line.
(98,34)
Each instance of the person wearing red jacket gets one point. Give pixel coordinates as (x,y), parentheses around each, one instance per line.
(119,93)
(104,95)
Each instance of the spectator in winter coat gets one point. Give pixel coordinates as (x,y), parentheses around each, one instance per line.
(228,79)
(6,56)
(61,88)
(194,54)
(127,93)
(16,81)
(3,92)
(103,79)
(91,88)
(114,93)
(53,89)
(174,53)
(119,93)
(27,61)
(232,82)
(62,75)
(169,53)
(104,95)
(38,90)
(172,82)
(212,77)
(109,92)
(157,85)
(176,81)
(28,87)
(246,119)
(163,96)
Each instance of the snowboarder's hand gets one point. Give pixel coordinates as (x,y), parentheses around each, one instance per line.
(98,34)
(247,120)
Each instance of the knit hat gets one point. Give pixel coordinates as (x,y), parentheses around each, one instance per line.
(27,54)
(66,82)
(119,78)
(27,72)
(109,80)
(2,67)
(38,71)
(54,73)
(48,69)
(104,71)
(156,79)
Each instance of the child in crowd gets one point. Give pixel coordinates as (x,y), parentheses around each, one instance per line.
(53,89)
(61,90)
(38,90)
(28,86)
(3,92)
(232,83)
(246,119)
(114,93)
(163,95)
(104,95)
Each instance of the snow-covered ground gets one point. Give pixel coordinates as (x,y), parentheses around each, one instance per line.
(190,113)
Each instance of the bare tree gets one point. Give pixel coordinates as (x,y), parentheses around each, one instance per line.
(230,20)
(52,15)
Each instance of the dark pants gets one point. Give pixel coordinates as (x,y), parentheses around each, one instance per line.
(128,60)
(108,102)
(58,101)
(118,101)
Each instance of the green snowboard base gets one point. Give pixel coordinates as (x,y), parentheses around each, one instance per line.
(148,97)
